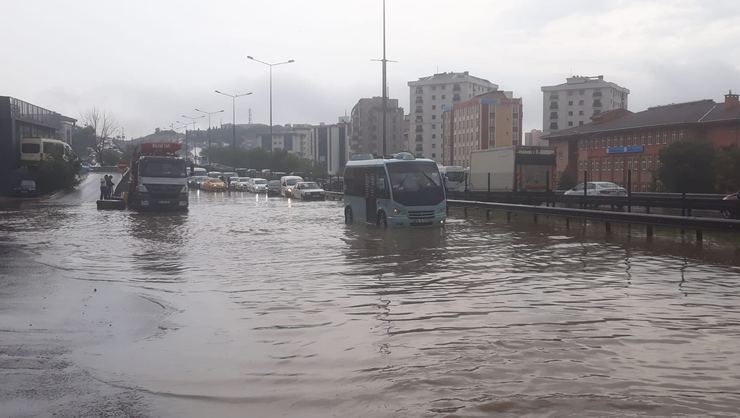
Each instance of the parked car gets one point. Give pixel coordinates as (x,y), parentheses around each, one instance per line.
(729,213)
(194,181)
(287,183)
(25,188)
(308,190)
(215,174)
(273,188)
(258,185)
(598,188)
(213,185)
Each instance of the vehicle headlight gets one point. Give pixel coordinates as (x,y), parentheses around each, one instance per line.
(396,211)
(141,189)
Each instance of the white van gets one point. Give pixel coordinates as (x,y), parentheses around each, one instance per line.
(287,183)
(34,150)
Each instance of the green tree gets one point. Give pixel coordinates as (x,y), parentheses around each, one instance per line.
(56,173)
(566,180)
(687,166)
(727,167)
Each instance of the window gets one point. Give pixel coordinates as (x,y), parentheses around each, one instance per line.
(554,126)
(444,86)
(570,123)
(570,113)
(434,155)
(580,102)
(581,91)
(580,112)
(553,115)
(433,144)
(553,105)
(570,102)
(419,90)
(434,97)
(434,136)
(570,92)
(444,97)
(434,116)
(434,107)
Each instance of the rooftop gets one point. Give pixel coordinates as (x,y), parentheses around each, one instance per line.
(700,111)
(450,77)
(579,82)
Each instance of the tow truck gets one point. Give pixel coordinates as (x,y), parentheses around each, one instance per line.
(157,178)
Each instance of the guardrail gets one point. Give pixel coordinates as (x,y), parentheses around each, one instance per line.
(687,203)
(650,220)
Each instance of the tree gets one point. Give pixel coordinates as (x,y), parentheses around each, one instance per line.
(727,167)
(57,173)
(83,140)
(103,125)
(567,180)
(687,166)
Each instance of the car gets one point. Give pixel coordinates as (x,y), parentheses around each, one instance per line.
(730,213)
(258,185)
(213,185)
(308,190)
(240,184)
(287,183)
(597,188)
(25,188)
(194,181)
(273,188)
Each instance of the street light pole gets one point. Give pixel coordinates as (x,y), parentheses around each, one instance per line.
(233,113)
(270,65)
(192,120)
(208,135)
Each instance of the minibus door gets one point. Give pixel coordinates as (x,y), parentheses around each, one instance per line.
(371,206)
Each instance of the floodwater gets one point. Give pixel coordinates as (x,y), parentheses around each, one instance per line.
(248,306)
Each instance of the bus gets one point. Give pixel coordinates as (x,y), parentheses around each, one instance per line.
(454,177)
(34,150)
(397,191)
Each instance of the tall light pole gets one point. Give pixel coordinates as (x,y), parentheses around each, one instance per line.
(385,87)
(270,65)
(192,120)
(233,113)
(209,129)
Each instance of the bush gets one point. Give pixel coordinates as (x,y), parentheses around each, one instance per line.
(56,174)
(687,166)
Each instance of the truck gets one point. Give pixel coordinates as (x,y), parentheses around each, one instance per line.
(157,178)
(453,176)
(512,169)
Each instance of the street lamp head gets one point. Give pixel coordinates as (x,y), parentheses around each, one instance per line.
(289,61)
(250,57)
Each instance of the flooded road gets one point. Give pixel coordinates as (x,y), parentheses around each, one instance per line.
(248,306)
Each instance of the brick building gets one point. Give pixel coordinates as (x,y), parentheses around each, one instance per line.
(488,120)
(618,141)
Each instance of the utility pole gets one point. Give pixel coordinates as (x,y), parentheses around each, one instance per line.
(384,61)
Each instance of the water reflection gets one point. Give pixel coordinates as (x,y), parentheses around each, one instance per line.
(158,245)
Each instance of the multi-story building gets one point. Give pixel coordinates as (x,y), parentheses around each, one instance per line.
(429,97)
(489,120)
(574,102)
(366,134)
(331,145)
(533,138)
(618,142)
(295,139)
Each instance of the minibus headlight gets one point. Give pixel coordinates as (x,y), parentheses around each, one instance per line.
(397,211)
(141,188)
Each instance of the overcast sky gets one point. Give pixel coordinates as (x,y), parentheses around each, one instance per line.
(148,62)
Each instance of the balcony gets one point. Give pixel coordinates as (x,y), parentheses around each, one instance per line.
(597,103)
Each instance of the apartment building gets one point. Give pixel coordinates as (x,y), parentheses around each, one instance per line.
(366,134)
(429,98)
(489,120)
(577,100)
